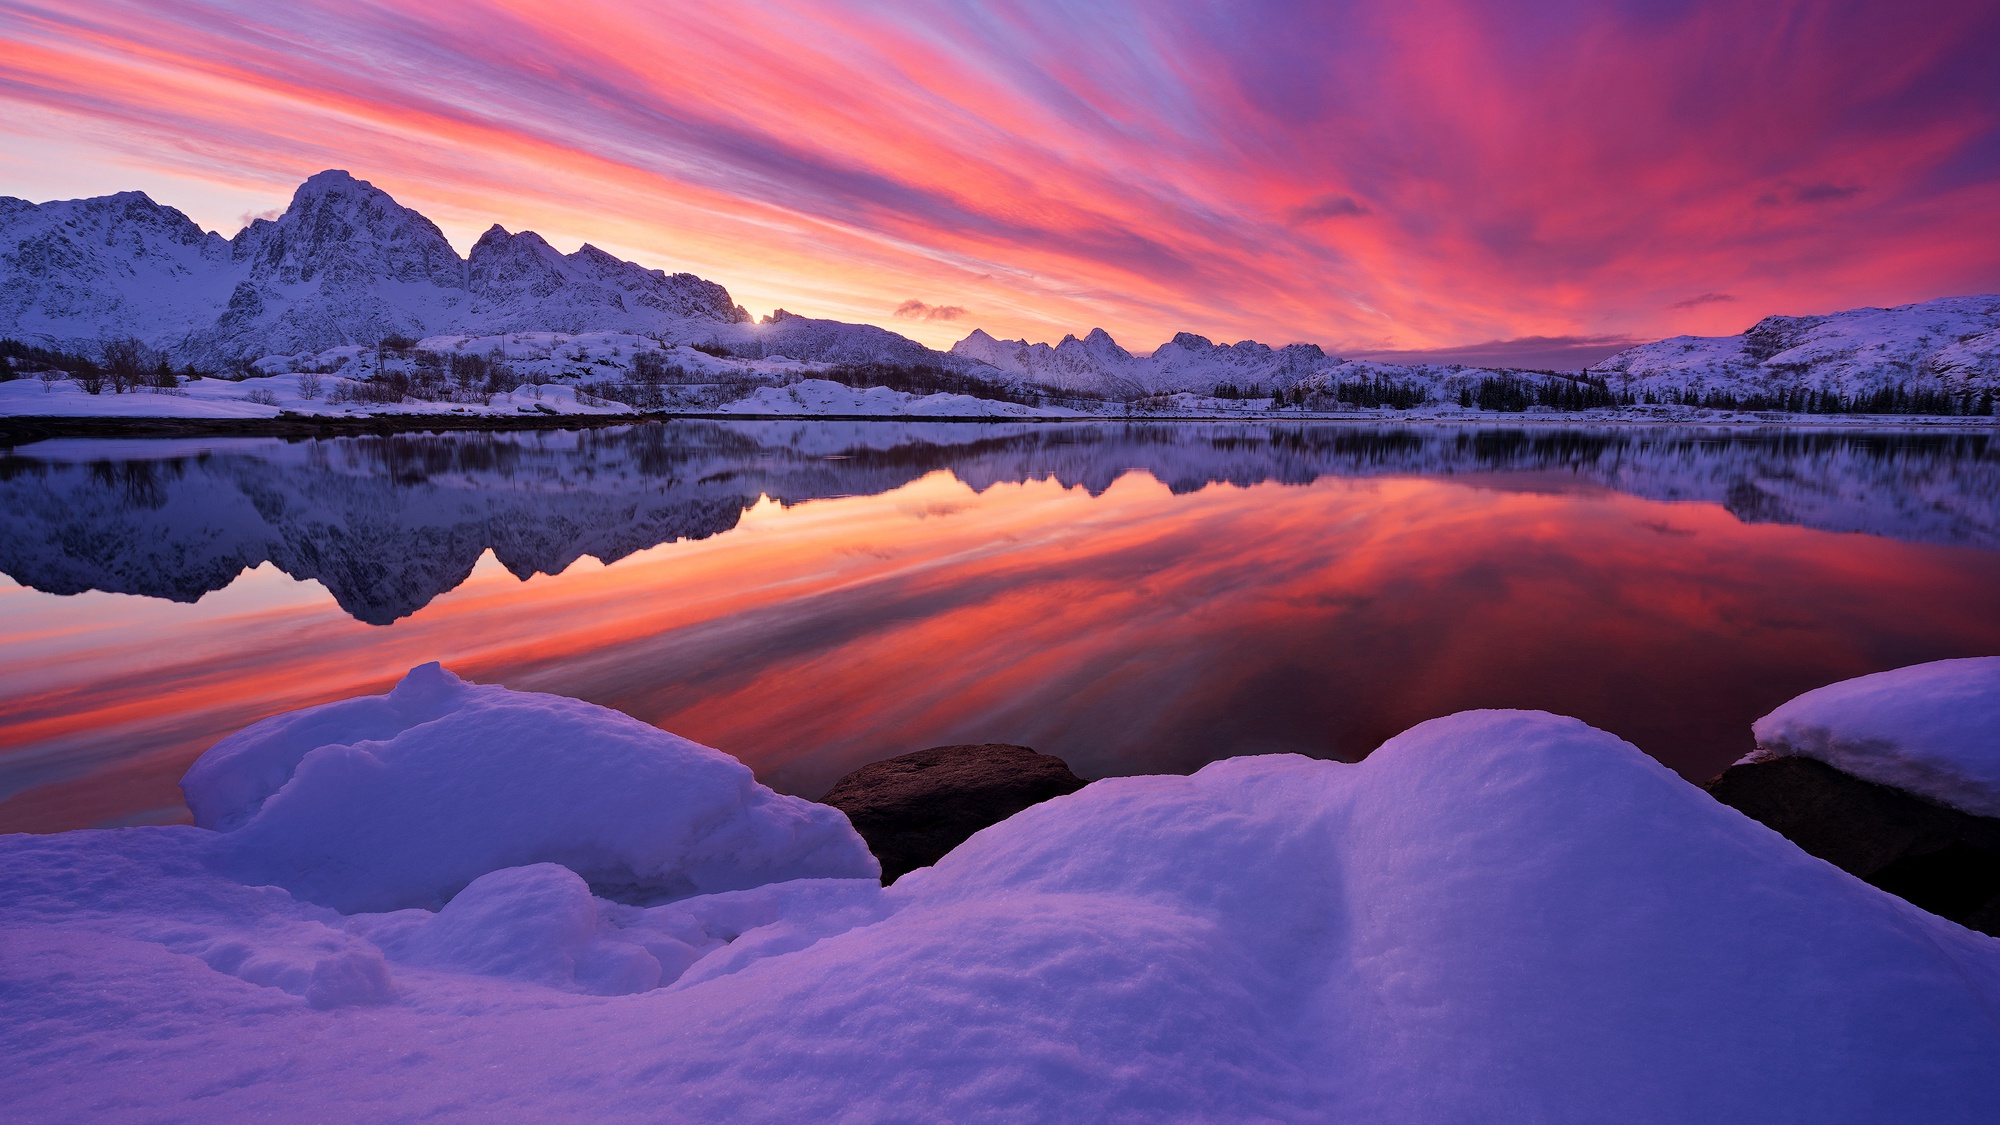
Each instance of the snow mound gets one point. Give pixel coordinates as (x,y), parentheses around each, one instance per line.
(401,800)
(1497,916)
(541,925)
(1930,729)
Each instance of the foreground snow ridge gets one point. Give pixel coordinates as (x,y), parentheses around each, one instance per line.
(1498,915)
(401,800)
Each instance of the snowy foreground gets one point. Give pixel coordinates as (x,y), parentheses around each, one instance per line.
(1498,916)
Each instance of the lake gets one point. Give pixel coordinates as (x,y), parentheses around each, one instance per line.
(1135,598)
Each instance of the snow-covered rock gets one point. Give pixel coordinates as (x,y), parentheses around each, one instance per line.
(401,800)
(1496,916)
(1929,729)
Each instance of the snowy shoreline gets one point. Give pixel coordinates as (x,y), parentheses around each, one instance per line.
(20,428)
(472,902)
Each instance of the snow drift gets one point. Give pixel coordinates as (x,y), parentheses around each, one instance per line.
(1930,729)
(401,800)
(1496,916)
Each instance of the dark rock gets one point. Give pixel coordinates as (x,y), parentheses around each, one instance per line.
(914,808)
(1939,858)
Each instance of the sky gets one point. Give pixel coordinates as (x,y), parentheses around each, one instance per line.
(1487,180)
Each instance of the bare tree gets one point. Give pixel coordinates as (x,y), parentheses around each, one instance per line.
(309,385)
(128,362)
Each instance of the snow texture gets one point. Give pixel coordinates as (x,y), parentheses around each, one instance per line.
(1929,729)
(400,800)
(1496,916)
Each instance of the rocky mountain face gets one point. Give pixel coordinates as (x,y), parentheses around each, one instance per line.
(345,264)
(78,269)
(1950,345)
(388,523)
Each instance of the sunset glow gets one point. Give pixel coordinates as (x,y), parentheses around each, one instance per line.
(1368,177)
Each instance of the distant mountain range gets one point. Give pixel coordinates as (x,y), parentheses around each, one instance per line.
(346,264)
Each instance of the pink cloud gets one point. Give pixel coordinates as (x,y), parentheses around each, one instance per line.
(1381,176)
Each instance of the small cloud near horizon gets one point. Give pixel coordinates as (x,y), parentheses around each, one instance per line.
(248,217)
(1809,193)
(1328,207)
(1705,299)
(918,310)
(1539,353)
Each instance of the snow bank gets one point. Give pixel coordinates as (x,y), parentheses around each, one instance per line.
(268,396)
(401,800)
(1930,729)
(1496,916)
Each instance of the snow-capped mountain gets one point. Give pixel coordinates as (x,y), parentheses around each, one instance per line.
(1186,363)
(78,269)
(345,264)
(1950,345)
(1191,363)
(387,524)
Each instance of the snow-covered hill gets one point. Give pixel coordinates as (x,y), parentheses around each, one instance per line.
(1950,345)
(387,524)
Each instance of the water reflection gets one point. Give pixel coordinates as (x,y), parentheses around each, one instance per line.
(1133,598)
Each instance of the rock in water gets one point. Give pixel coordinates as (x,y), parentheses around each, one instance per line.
(1894,777)
(1939,858)
(914,808)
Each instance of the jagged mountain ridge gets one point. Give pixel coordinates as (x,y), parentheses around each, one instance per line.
(346,264)
(1950,345)
(389,523)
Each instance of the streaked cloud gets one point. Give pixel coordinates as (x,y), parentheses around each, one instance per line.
(1705,299)
(1539,353)
(1551,170)
(1328,207)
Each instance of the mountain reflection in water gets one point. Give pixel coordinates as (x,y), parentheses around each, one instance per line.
(1133,598)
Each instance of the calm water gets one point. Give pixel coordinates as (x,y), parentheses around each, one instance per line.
(810,597)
